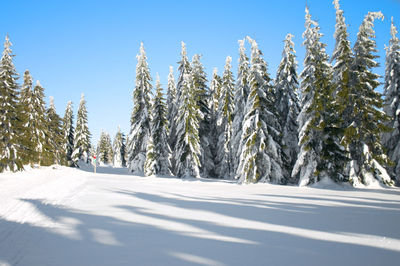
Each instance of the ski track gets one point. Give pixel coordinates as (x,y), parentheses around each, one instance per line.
(64,216)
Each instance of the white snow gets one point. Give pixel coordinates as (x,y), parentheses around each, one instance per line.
(65,216)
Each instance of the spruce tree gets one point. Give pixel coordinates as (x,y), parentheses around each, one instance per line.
(140,119)
(171,96)
(215,88)
(25,102)
(240,100)
(206,134)
(184,68)
(104,148)
(10,149)
(38,124)
(288,106)
(68,132)
(119,149)
(392,102)
(320,155)
(260,158)
(224,123)
(364,121)
(82,135)
(54,138)
(188,149)
(158,151)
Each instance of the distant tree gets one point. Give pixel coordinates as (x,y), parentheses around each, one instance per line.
(68,132)
(392,102)
(119,149)
(38,124)
(215,88)
(82,135)
(10,149)
(171,97)
(54,137)
(224,123)
(25,103)
(104,148)
(158,151)
(140,120)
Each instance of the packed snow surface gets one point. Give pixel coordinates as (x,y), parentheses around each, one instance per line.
(65,216)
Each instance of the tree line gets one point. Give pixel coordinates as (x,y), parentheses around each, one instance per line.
(327,122)
(31,133)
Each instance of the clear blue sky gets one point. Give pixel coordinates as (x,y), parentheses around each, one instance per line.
(90,46)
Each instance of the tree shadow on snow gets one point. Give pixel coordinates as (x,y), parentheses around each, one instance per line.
(143,237)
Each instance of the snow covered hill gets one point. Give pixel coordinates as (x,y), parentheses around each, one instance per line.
(65,216)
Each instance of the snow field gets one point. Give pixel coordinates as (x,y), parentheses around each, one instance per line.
(64,216)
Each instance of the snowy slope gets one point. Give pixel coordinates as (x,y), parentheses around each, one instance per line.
(67,216)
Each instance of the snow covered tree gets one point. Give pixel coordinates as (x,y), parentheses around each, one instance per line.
(171,96)
(215,88)
(224,123)
(204,99)
(158,151)
(140,119)
(10,155)
(364,122)
(188,149)
(26,131)
(82,135)
(119,149)
(68,135)
(240,99)
(321,155)
(288,106)
(184,68)
(38,123)
(392,102)
(104,148)
(53,153)
(260,158)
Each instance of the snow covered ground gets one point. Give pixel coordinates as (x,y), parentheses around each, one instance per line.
(67,216)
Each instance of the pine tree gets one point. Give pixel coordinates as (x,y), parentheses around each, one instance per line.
(321,155)
(82,135)
(364,121)
(184,68)
(104,148)
(38,124)
(171,97)
(204,99)
(187,151)
(288,106)
(260,158)
(392,102)
(158,151)
(224,123)
(119,149)
(140,119)
(10,155)
(68,135)
(53,146)
(240,100)
(26,131)
(215,88)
